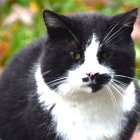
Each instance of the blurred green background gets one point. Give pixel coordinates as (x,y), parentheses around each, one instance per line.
(21,21)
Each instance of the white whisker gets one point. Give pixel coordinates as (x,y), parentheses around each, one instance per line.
(120,82)
(110,94)
(57,83)
(46,72)
(111,30)
(116,105)
(114,42)
(123,76)
(117,88)
(58,79)
(118,32)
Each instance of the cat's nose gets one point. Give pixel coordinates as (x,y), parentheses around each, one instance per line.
(90,77)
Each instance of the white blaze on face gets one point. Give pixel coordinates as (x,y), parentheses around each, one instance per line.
(90,64)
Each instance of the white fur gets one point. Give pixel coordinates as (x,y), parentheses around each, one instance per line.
(81,114)
(129,98)
(47,97)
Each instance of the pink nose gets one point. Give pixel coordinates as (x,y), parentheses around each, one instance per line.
(92,74)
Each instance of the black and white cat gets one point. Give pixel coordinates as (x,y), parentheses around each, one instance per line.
(77,84)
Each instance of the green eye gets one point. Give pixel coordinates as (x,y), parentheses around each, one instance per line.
(107,55)
(75,55)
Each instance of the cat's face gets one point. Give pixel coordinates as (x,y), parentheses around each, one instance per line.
(87,52)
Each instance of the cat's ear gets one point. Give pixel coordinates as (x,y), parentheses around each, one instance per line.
(54,21)
(126,20)
(129,18)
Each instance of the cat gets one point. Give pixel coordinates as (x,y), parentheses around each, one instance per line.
(78,83)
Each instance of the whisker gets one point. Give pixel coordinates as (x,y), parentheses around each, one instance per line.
(111,30)
(56,89)
(58,79)
(114,26)
(57,83)
(124,84)
(114,35)
(123,76)
(115,104)
(121,83)
(110,94)
(46,72)
(115,86)
(107,40)
(114,42)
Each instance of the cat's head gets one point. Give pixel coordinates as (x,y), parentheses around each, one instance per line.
(86,52)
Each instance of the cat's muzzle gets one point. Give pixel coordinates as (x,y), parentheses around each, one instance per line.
(96,81)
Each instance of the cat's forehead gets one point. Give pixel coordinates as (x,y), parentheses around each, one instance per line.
(89,18)
(87,25)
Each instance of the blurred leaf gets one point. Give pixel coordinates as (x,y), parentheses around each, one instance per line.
(4,51)
(23,2)
(20,13)
(34,7)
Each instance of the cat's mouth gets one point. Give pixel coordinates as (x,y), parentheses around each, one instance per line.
(99,81)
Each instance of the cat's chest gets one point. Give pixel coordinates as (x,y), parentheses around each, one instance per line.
(96,116)
(89,119)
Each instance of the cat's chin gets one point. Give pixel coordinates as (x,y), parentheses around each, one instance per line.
(95,88)
(82,91)
(84,94)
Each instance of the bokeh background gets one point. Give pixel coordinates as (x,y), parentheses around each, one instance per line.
(21,21)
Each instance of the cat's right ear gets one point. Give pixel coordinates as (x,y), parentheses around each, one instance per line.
(54,21)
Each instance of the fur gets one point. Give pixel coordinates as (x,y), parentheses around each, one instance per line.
(77,83)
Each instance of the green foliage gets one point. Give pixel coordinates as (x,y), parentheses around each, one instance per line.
(27,34)
(64,6)
(23,2)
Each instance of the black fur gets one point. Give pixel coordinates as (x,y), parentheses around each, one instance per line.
(21,115)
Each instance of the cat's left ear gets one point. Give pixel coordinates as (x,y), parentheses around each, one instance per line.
(54,22)
(126,20)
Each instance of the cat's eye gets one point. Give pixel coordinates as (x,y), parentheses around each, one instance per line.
(107,55)
(75,55)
